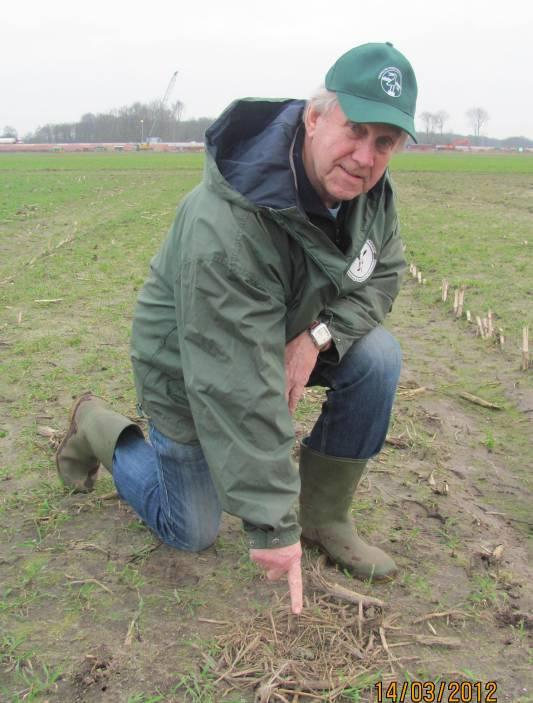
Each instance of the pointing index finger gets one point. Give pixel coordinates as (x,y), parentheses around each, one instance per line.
(294,576)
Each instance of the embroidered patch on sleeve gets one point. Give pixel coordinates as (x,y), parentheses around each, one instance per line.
(362,267)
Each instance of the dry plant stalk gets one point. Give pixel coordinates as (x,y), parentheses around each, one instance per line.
(479,401)
(45,431)
(76,582)
(341,593)
(460,301)
(397,442)
(525,349)
(437,641)
(490,324)
(409,393)
(455,301)
(444,290)
(444,614)
(480,327)
(132,633)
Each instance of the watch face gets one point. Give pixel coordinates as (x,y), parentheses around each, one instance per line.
(321,334)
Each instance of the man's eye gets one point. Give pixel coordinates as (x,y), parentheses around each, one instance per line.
(385,143)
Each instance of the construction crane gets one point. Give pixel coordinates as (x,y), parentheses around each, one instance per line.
(157,115)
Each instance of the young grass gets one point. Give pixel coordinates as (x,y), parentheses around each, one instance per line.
(409,538)
(485,592)
(197,687)
(31,569)
(12,655)
(461,162)
(127,575)
(416,583)
(449,534)
(18,603)
(359,691)
(188,600)
(36,682)
(85,597)
(145,698)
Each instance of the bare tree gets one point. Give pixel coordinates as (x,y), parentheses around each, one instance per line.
(440,119)
(428,119)
(477,116)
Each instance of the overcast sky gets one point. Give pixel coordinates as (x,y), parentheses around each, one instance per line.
(59,60)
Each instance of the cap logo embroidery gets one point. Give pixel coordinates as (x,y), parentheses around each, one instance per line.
(391,81)
(363,266)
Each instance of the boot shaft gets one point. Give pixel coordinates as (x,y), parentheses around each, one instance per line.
(327,486)
(90,440)
(101,427)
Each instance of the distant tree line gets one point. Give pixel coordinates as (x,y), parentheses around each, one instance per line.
(141,121)
(138,122)
(470,139)
(434,121)
(478,117)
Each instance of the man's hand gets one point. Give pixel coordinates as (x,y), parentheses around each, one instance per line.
(283,560)
(300,359)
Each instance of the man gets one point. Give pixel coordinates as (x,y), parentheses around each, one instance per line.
(276,274)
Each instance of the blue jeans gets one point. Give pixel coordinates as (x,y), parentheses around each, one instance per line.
(169,484)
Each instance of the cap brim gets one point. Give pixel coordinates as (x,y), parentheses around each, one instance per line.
(363,110)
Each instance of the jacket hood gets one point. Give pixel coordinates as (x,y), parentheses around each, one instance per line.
(249,145)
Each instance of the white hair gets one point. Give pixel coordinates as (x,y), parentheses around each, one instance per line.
(324,100)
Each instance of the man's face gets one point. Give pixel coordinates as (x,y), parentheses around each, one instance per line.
(343,159)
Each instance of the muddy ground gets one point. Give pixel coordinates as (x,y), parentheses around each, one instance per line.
(95,609)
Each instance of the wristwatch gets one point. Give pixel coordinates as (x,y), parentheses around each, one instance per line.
(320,335)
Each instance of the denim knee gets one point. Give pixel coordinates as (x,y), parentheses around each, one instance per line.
(202,532)
(375,358)
(169,486)
(194,532)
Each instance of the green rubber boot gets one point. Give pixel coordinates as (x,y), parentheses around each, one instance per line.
(328,485)
(90,441)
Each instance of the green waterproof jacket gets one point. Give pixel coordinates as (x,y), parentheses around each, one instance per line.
(242,272)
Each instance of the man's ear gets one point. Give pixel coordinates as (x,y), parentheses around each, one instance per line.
(311,117)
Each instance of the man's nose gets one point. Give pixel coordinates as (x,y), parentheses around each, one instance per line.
(364,153)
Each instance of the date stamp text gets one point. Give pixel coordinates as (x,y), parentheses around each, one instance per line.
(441,692)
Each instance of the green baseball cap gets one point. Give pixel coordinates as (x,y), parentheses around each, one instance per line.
(375,83)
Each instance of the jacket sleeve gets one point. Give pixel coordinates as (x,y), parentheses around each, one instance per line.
(352,316)
(232,338)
